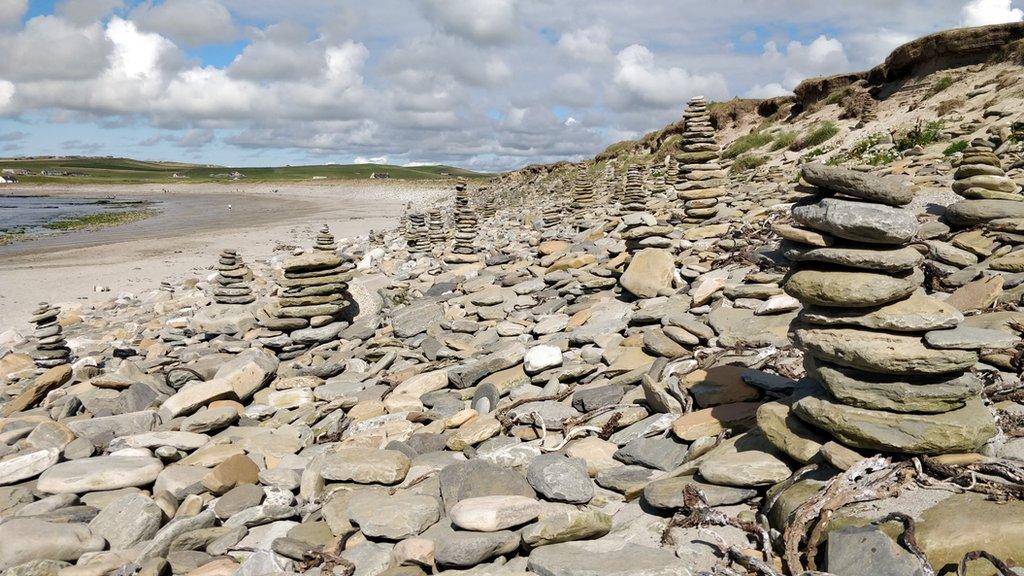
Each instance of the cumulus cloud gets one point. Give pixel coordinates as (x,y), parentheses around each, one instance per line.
(645,83)
(483,21)
(11,12)
(191,22)
(587,44)
(798,61)
(982,12)
(196,138)
(84,12)
(52,48)
(767,91)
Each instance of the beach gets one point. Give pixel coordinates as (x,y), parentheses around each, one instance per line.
(193,223)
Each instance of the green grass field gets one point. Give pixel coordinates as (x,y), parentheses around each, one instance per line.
(82,170)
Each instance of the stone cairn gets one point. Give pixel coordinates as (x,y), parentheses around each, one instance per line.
(701,178)
(416,235)
(611,184)
(167,287)
(51,349)
(891,362)
(989,194)
(487,208)
(655,183)
(435,228)
(582,195)
(634,199)
(551,216)
(232,281)
(325,240)
(466,222)
(312,293)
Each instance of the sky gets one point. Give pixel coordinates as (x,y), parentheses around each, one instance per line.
(481,84)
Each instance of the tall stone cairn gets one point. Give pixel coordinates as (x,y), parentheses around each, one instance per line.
(435,228)
(232,281)
(702,179)
(51,349)
(655,179)
(416,235)
(634,199)
(891,363)
(466,221)
(671,171)
(989,194)
(582,192)
(489,207)
(551,216)
(612,184)
(325,240)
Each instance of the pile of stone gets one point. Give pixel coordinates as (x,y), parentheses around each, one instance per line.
(167,287)
(311,296)
(990,194)
(892,363)
(50,347)
(655,180)
(466,223)
(232,281)
(325,240)
(582,192)
(633,198)
(702,179)
(436,229)
(417,237)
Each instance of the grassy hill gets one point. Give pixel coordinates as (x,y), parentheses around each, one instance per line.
(84,170)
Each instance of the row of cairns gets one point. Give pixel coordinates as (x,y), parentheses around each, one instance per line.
(466,227)
(702,179)
(51,349)
(232,281)
(989,193)
(891,363)
(311,297)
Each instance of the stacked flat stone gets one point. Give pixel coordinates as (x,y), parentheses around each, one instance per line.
(702,179)
(51,349)
(435,228)
(166,286)
(891,362)
(488,208)
(633,198)
(232,281)
(612,185)
(671,171)
(868,113)
(325,240)
(989,194)
(416,235)
(582,192)
(655,183)
(551,216)
(466,221)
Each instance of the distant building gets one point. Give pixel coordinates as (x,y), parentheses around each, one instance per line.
(7,180)
(379,175)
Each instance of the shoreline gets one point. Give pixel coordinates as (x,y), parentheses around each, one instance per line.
(183,240)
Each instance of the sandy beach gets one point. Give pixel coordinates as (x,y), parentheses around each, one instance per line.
(194,223)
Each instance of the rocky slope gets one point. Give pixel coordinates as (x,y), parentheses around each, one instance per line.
(670,361)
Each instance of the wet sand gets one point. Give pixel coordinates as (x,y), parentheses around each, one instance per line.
(194,223)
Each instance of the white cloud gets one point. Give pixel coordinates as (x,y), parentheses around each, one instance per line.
(645,83)
(192,22)
(51,48)
(767,91)
(482,21)
(280,52)
(85,12)
(11,12)
(587,44)
(7,90)
(982,12)
(799,61)
(374,160)
(196,138)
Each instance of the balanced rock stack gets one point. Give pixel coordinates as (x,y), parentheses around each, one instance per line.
(325,240)
(416,235)
(465,222)
(51,349)
(989,193)
(891,362)
(435,228)
(551,216)
(634,199)
(582,192)
(489,208)
(232,280)
(701,179)
(166,286)
(612,184)
(655,179)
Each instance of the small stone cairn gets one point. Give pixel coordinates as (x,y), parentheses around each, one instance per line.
(435,228)
(634,199)
(416,235)
(891,362)
(701,178)
(232,281)
(466,223)
(582,192)
(655,183)
(989,194)
(167,287)
(51,349)
(325,240)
